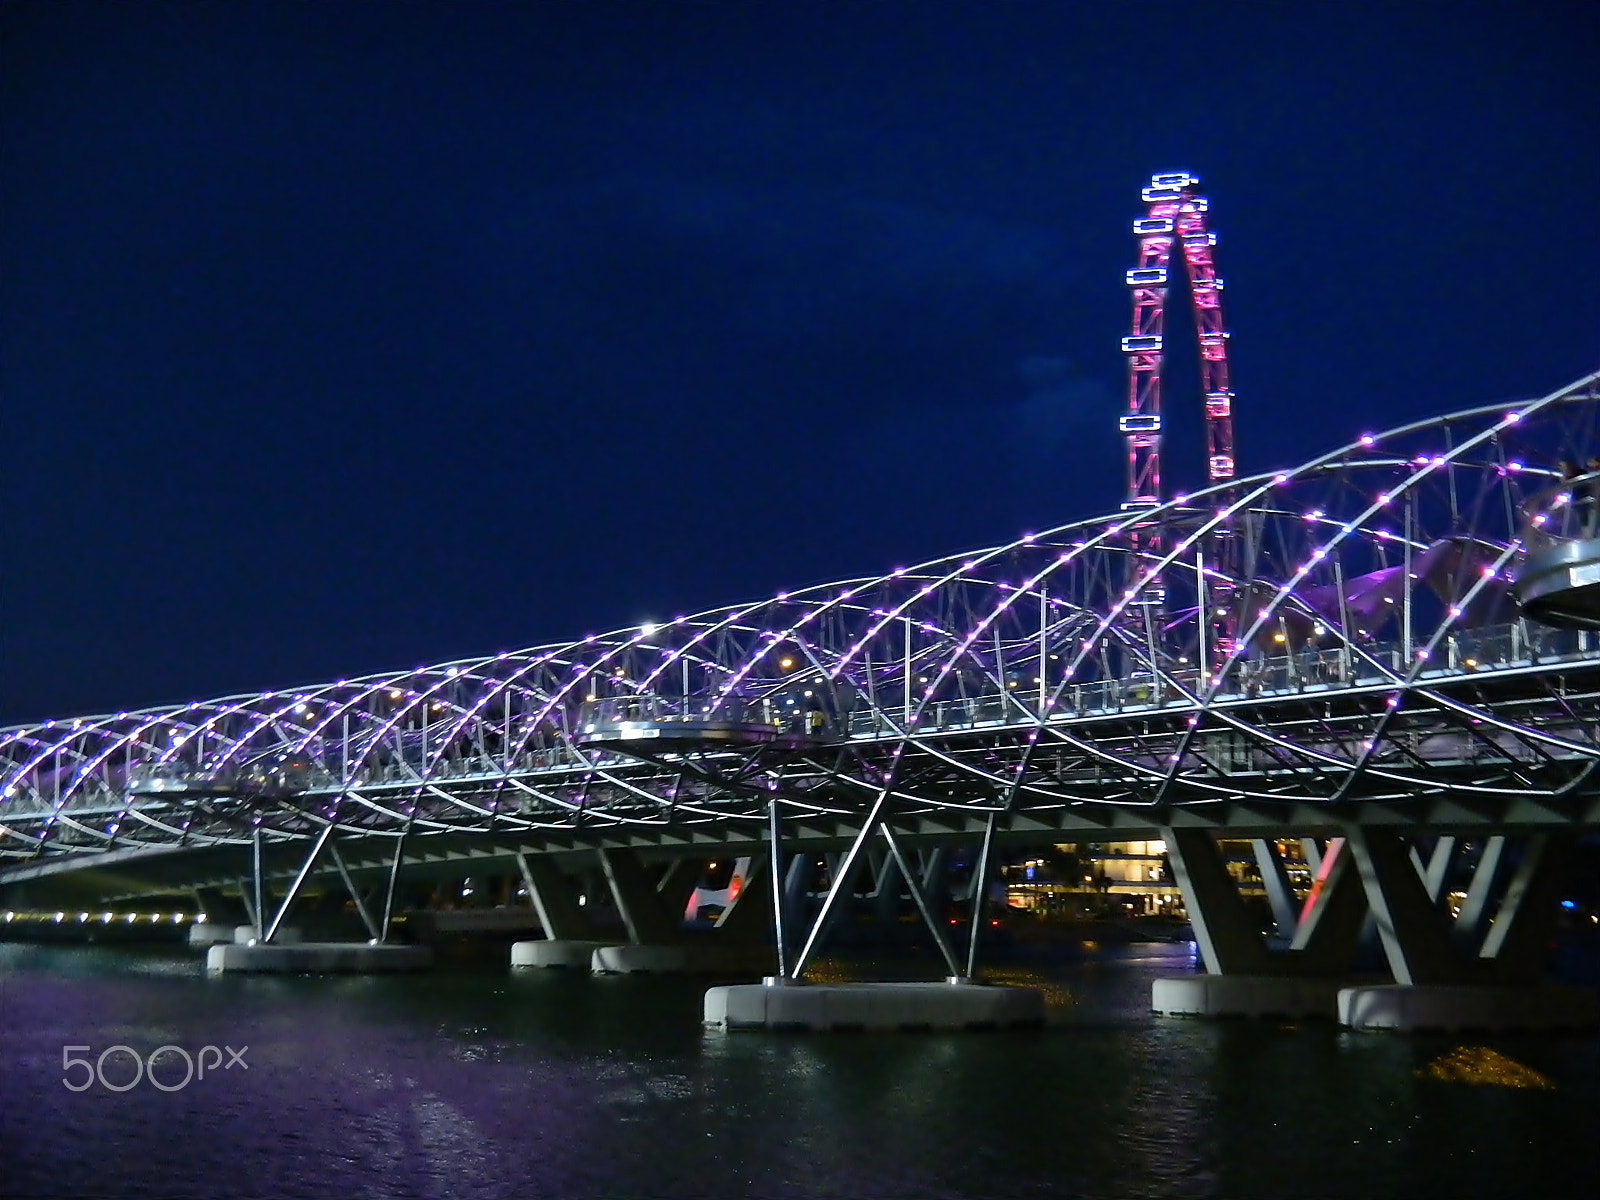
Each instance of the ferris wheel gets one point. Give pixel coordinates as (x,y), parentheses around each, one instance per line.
(1175,216)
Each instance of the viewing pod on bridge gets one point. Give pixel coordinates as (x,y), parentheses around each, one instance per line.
(1558,583)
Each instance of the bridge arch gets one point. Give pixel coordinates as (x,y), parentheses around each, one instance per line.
(1380,656)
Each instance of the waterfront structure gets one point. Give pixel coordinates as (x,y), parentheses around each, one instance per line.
(1366,657)
(1382,679)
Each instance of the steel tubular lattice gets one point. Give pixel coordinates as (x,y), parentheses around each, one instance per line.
(1378,657)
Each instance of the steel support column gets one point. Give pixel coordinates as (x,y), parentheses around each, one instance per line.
(261,895)
(1516,942)
(361,907)
(1329,929)
(636,899)
(1473,918)
(1280,896)
(839,884)
(921,901)
(554,899)
(978,903)
(775,869)
(394,878)
(299,881)
(1415,939)
(1223,928)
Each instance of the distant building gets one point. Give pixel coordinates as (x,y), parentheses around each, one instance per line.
(1131,878)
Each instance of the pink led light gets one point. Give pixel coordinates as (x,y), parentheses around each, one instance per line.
(1367,439)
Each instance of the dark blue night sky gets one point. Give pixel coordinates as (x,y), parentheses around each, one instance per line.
(344,337)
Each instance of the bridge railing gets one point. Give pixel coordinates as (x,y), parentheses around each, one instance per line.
(617,710)
(1374,664)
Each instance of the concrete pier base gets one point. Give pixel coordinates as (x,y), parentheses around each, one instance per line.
(872,1006)
(687,959)
(209,933)
(287,935)
(1269,996)
(1418,1008)
(560,952)
(317,958)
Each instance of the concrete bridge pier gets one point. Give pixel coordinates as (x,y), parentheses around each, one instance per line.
(1482,972)
(652,913)
(1469,977)
(785,1001)
(267,945)
(1243,976)
(651,908)
(570,938)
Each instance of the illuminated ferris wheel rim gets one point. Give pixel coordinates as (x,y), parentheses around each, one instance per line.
(1176,214)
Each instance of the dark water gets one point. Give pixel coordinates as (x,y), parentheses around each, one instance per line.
(471,1082)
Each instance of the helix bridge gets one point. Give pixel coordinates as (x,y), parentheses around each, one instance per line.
(1407,626)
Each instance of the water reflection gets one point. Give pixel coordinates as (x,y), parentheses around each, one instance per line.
(473,1082)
